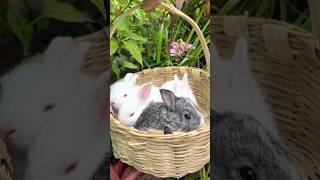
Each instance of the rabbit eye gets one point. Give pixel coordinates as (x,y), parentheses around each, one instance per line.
(125,95)
(246,173)
(187,116)
(49,107)
(131,114)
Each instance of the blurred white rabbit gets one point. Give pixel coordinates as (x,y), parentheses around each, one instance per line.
(72,143)
(33,90)
(236,89)
(120,90)
(130,110)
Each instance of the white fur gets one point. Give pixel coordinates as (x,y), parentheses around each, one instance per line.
(180,88)
(30,87)
(73,133)
(236,89)
(136,105)
(120,90)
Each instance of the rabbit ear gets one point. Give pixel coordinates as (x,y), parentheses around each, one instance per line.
(175,77)
(131,78)
(185,79)
(168,99)
(76,56)
(241,79)
(221,70)
(58,48)
(144,92)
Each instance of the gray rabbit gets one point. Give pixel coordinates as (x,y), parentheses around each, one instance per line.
(175,113)
(243,149)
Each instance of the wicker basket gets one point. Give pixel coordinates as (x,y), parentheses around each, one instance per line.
(152,152)
(285,61)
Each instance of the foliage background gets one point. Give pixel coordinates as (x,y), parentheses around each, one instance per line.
(25,31)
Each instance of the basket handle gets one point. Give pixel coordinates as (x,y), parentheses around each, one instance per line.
(314,6)
(175,11)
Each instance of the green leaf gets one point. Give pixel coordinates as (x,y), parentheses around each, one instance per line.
(63,12)
(129,65)
(100,6)
(113,46)
(134,50)
(20,28)
(123,25)
(227,7)
(159,44)
(116,70)
(131,35)
(283,10)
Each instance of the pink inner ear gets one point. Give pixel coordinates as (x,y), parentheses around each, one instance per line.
(144,92)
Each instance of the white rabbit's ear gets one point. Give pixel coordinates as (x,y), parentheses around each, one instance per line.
(185,79)
(76,57)
(241,79)
(168,98)
(58,48)
(130,77)
(144,92)
(175,78)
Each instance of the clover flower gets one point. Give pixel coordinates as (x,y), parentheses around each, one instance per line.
(179,48)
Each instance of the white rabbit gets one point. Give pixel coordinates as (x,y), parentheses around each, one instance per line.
(32,90)
(120,90)
(244,94)
(180,88)
(130,110)
(72,144)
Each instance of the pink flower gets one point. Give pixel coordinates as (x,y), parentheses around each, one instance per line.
(179,49)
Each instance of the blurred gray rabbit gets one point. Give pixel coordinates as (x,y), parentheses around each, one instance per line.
(243,149)
(245,138)
(175,113)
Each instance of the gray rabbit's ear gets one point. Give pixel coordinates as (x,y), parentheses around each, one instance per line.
(58,48)
(168,99)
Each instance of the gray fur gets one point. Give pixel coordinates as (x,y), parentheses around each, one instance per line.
(169,116)
(239,140)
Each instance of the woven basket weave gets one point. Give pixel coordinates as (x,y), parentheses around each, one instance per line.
(152,152)
(285,61)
